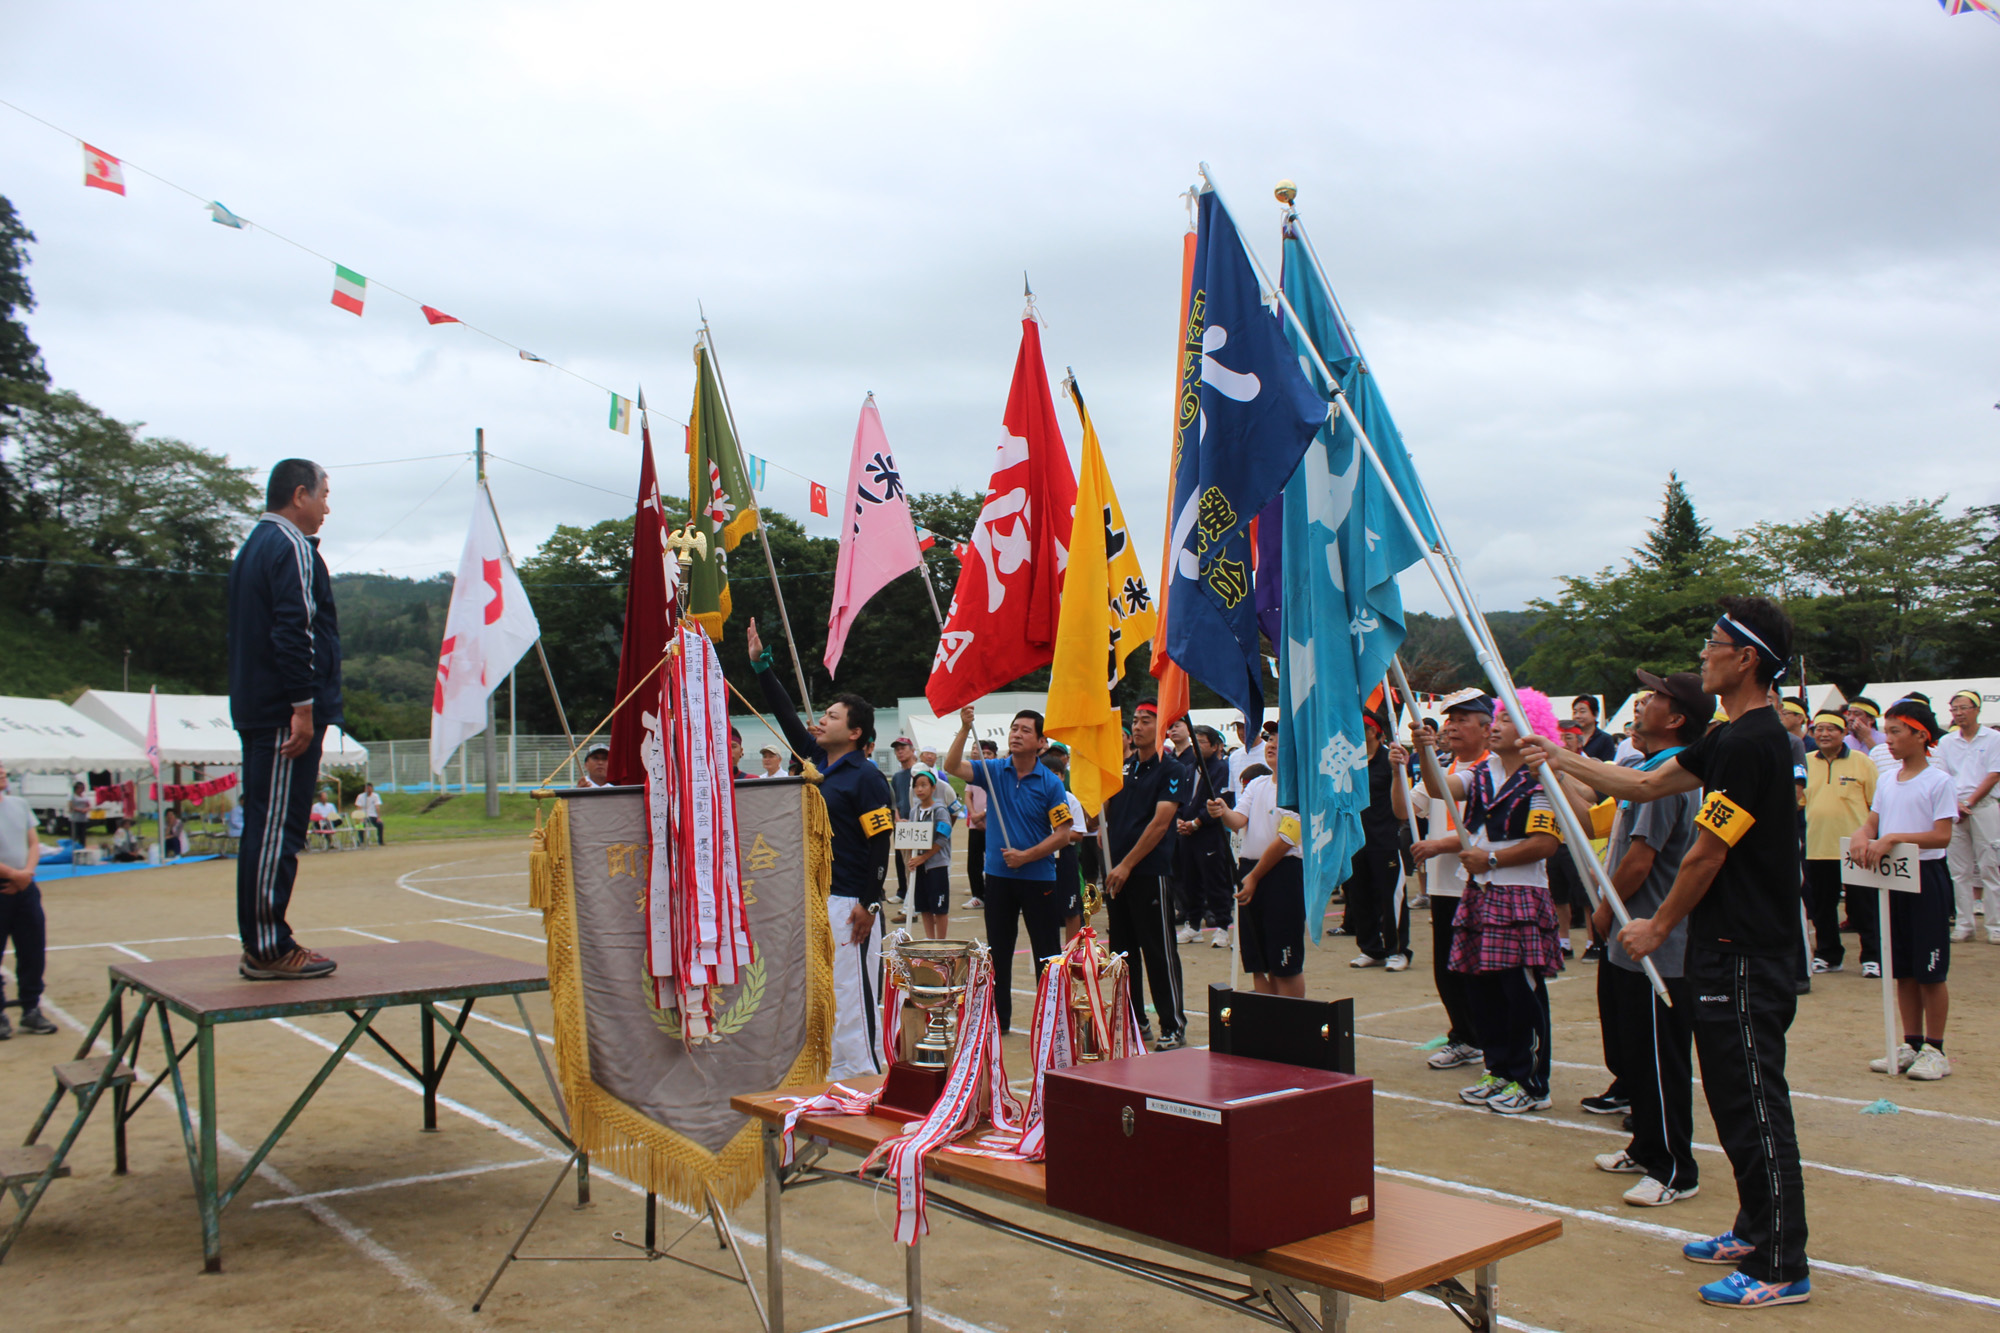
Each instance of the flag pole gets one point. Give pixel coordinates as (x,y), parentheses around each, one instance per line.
(562,717)
(1458,598)
(763,538)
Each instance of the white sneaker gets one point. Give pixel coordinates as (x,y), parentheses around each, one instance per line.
(1961,934)
(1619,1163)
(972,904)
(1993,935)
(1905,1059)
(1364,960)
(1397,962)
(1930,1065)
(1650,1193)
(1220,940)
(1453,1054)
(1186,935)
(1873,971)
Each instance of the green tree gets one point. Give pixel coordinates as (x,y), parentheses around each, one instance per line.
(20,359)
(120,538)
(576,583)
(1652,613)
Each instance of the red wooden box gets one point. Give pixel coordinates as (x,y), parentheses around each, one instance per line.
(1217,1153)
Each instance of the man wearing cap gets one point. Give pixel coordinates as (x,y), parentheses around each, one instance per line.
(1972,753)
(1138,820)
(1028,822)
(1738,890)
(899,789)
(1647,1043)
(1468,717)
(864,831)
(596,767)
(1204,862)
(773,760)
(1840,789)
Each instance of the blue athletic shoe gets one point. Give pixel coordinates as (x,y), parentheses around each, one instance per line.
(1724,1249)
(1740,1289)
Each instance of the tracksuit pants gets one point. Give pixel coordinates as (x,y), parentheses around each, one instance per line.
(1513,1009)
(1378,915)
(1142,929)
(1208,877)
(1454,988)
(1655,1070)
(1974,858)
(21,921)
(1823,906)
(1609,1030)
(277,809)
(975,861)
(857,994)
(1743,1005)
(1009,898)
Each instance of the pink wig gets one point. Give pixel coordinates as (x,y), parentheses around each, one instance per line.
(1540,715)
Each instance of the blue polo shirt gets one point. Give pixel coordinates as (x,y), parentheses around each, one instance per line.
(1020,812)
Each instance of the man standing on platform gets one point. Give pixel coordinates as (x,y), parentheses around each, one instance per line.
(864,831)
(1028,822)
(284,691)
(1738,888)
(1137,821)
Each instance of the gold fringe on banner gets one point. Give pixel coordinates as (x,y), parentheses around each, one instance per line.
(618,1138)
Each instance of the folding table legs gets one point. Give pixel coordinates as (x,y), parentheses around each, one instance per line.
(774,1228)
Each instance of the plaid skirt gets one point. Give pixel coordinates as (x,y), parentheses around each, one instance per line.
(1504,926)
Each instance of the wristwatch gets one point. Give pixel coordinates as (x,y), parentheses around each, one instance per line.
(1492,860)
(873,909)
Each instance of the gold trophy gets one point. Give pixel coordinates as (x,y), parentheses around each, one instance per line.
(932,976)
(1110,967)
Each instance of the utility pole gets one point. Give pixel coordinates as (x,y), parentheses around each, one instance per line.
(492,758)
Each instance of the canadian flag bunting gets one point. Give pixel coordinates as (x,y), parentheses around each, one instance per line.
(101,171)
(1002,622)
(487,629)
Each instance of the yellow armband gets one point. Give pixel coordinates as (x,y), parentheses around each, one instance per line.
(1058,816)
(1288,829)
(877,822)
(1544,821)
(1724,818)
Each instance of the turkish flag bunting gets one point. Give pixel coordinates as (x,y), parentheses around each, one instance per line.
(818,499)
(649,611)
(1002,622)
(437,316)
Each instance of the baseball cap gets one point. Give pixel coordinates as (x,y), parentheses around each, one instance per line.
(597,750)
(1467,701)
(900,740)
(1569,724)
(770,749)
(1684,688)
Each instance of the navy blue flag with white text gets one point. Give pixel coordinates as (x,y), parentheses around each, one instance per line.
(1246,414)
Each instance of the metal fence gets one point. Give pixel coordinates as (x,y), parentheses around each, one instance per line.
(521,763)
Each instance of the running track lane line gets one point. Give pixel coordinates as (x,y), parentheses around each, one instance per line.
(1676,1234)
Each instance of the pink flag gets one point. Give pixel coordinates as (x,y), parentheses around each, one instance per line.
(879,540)
(153,729)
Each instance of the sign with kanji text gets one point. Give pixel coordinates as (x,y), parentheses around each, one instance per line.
(914,835)
(1896,871)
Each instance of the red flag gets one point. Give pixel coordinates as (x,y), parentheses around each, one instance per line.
(926,540)
(819,499)
(1002,622)
(437,316)
(648,613)
(1173,681)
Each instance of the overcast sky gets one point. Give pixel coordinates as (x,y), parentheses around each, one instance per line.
(1583,243)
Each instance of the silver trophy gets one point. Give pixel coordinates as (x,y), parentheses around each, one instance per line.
(932,975)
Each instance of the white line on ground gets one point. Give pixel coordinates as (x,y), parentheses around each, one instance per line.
(454,879)
(169,939)
(1676,1234)
(401,1181)
(404,881)
(366,935)
(510,934)
(1555,1122)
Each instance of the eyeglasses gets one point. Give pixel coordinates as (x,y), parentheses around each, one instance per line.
(1723,644)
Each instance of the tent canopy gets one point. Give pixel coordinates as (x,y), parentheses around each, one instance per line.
(48,736)
(194,728)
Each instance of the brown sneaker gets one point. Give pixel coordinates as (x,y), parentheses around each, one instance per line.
(298,965)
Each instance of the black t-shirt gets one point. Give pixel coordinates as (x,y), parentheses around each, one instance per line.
(1750,802)
(1601,747)
(1126,815)
(1378,821)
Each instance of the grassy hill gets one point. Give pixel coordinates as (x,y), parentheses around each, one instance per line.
(43,662)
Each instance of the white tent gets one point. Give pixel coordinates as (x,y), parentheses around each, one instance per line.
(1885,693)
(48,736)
(194,728)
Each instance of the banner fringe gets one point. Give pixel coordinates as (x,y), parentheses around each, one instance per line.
(618,1138)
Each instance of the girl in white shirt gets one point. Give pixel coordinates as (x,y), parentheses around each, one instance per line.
(1916,806)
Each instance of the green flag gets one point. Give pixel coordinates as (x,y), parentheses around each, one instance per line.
(719,497)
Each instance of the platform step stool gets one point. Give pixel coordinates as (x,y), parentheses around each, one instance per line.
(78,1077)
(23,1166)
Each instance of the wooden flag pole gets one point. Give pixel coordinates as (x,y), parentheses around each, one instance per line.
(1464,610)
(763,538)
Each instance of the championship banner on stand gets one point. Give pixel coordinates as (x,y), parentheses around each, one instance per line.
(641,1101)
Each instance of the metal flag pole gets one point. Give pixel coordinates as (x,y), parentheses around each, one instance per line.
(1458,599)
(770,561)
(555,695)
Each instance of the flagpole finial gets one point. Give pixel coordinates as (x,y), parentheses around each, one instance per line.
(1286,192)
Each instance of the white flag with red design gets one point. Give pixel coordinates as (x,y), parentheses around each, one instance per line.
(487,630)
(101,171)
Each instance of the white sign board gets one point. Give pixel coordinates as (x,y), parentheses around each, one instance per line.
(914,835)
(1896,871)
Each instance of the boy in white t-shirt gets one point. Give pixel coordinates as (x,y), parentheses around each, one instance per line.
(1916,805)
(1273,890)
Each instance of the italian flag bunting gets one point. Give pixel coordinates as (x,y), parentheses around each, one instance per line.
(350,289)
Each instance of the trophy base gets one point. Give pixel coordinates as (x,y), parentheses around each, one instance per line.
(910,1091)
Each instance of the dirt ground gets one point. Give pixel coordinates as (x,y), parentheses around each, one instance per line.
(361,1221)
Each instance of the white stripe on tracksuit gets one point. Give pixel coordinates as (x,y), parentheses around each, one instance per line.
(269,852)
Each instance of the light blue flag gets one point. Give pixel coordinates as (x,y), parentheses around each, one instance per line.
(1344,544)
(218,213)
(756,471)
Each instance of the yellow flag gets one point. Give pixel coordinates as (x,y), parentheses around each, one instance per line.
(1107,611)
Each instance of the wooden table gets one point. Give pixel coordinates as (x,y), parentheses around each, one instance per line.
(1419,1241)
(209,992)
